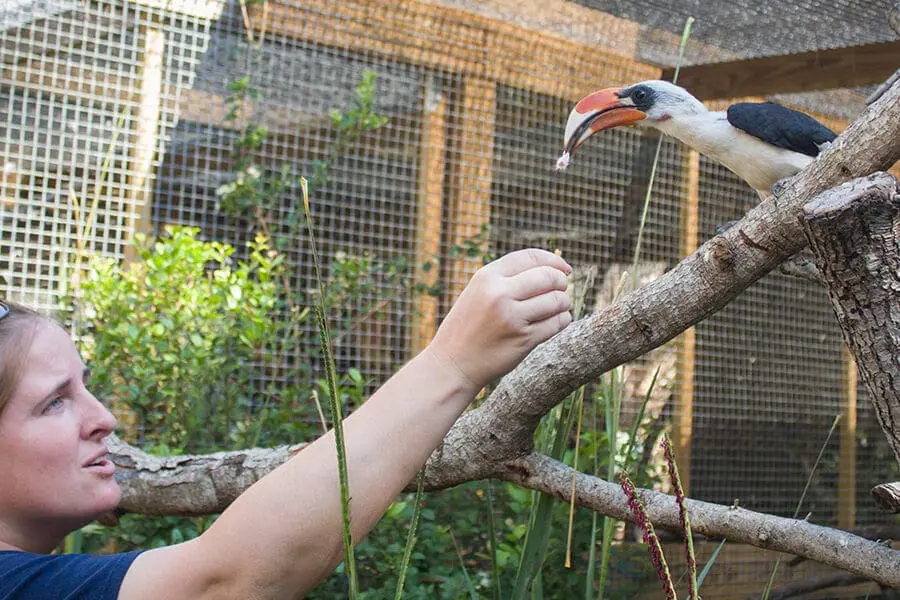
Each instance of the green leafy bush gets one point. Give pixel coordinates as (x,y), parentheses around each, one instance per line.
(175,338)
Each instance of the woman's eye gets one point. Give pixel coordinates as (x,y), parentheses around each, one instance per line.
(54,404)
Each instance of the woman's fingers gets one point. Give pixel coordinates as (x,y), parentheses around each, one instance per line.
(538,280)
(516,262)
(508,307)
(544,306)
(546,329)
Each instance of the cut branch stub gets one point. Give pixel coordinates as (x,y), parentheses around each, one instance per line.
(854,233)
(887,496)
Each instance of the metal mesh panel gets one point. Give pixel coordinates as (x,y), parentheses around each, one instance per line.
(69,132)
(476,105)
(367,207)
(768,382)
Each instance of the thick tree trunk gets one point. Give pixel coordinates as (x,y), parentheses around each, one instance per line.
(854,233)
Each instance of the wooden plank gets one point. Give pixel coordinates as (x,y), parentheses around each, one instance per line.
(429,206)
(847,461)
(471,178)
(683,427)
(457,41)
(90,84)
(143,149)
(200,9)
(804,72)
(67,80)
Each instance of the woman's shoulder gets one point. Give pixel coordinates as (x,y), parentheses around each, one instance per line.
(26,575)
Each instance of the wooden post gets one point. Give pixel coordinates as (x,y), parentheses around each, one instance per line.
(146,132)
(470,185)
(682,429)
(847,461)
(429,206)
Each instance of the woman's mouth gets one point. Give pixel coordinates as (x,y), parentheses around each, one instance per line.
(102,466)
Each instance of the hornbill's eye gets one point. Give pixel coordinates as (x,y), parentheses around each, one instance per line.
(639,95)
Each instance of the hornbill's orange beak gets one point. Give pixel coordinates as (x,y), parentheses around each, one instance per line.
(603,109)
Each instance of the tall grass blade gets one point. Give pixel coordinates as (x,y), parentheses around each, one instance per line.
(685,518)
(638,419)
(473,593)
(706,568)
(607,522)
(686,33)
(537,540)
(580,297)
(411,537)
(637,249)
(613,404)
(337,413)
(492,533)
(558,424)
(537,590)
(591,575)
(574,473)
(809,479)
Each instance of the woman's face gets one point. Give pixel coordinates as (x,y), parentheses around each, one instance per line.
(53,467)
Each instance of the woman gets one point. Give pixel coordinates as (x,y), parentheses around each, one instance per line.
(283,534)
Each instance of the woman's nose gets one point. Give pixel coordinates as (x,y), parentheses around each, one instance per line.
(99,421)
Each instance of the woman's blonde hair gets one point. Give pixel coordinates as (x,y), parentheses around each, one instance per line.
(17,326)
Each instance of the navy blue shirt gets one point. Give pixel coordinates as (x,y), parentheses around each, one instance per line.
(27,576)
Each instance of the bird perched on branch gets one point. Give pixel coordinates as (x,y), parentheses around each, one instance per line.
(761,142)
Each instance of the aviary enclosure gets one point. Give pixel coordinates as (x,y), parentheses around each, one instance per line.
(429,131)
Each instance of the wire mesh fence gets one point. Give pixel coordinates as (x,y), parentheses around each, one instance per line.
(127,116)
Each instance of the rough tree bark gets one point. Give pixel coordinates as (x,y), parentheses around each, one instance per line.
(854,233)
(495,440)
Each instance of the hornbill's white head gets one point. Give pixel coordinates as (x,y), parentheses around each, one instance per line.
(648,103)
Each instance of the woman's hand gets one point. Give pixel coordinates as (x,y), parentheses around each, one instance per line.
(510,306)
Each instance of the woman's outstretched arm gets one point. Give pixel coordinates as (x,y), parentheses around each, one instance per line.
(283,535)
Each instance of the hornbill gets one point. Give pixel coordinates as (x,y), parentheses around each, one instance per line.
(761,142)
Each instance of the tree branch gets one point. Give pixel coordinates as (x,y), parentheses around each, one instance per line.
(834,547)
(189,485)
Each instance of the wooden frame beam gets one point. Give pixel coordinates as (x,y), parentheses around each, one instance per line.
(683,420)
(804,72)
(429,210)
(847,459)
(455,41)
(143,150)
(471,177)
